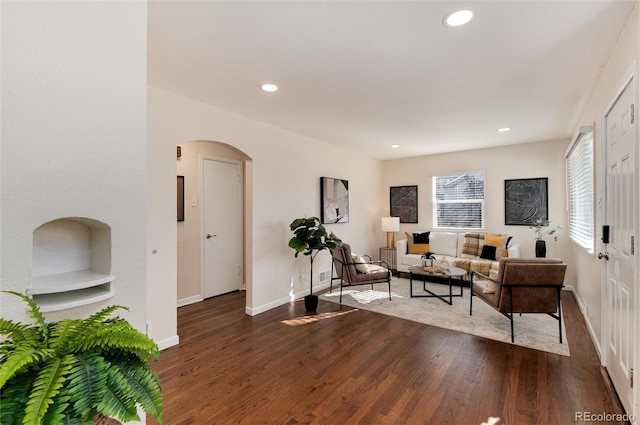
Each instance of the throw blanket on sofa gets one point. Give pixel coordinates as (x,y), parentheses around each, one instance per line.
(469,263)
(474,253)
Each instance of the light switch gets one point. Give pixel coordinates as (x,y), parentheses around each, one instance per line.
(194,202)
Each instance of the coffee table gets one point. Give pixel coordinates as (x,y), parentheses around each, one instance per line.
(451,273)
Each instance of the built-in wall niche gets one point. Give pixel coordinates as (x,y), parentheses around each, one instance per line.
(71,264)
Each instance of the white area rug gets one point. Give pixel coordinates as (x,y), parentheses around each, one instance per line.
(538,331)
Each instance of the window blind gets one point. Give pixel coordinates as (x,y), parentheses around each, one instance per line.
(458,200)
(579,163)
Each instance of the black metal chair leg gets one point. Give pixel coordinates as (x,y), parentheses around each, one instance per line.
(511,313)
(559,316)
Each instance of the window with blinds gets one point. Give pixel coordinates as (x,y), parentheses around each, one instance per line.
(579,160)
(458,200)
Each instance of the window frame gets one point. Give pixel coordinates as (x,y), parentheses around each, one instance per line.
(581,230)
(435,202)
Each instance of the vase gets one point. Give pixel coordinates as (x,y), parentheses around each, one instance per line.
(541,248)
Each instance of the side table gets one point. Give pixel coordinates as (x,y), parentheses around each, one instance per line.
(389,255)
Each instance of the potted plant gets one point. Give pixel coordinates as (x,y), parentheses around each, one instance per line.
(541,230)
(311,237)
(75,370)
(427,259)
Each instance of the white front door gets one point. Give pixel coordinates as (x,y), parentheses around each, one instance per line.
(222,227)
(620,285)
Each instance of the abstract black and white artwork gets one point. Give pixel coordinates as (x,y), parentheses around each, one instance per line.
(334,197)
(404,203)
(525,200)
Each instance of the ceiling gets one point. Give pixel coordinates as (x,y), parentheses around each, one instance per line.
(368,74)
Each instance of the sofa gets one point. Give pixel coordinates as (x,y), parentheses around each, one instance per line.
(471,251)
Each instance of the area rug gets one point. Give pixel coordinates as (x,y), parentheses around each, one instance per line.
(537,331)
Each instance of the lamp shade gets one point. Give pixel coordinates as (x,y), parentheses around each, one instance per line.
(390,224)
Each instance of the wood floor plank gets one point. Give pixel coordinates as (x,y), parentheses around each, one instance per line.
(349,366)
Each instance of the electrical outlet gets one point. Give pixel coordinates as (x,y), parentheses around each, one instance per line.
(301,275)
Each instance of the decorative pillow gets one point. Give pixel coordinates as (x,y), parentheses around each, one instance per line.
(489,289)
(488,252)
(374,268)
(361,264)
(418,242)
(472,244)
(421,237)
(499,242)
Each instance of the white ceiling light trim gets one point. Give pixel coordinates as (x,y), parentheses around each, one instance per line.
(458,18)
(504,129)
(269,87)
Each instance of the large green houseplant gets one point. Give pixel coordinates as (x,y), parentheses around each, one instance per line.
(310,237)
(70,371)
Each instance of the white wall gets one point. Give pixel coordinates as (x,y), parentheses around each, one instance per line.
(285,169)
(544,159)
(74,137)
(590,270)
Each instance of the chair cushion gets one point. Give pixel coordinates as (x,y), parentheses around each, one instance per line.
(444,243)
(345,251)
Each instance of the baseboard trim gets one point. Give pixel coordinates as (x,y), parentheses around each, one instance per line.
(169,342)
(254,311)
(583,309)
(190,300)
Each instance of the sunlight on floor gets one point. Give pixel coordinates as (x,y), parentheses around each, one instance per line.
(316,317)
(365,297)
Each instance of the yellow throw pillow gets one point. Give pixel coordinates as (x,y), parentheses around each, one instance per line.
(419,248)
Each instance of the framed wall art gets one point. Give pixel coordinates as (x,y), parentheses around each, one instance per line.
(334,200)
(525,200)
(180,198)
(403,203)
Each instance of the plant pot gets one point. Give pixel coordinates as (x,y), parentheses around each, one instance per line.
(311,303)
(541,249)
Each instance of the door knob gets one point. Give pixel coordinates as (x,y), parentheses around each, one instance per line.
(605,256)
(209,236)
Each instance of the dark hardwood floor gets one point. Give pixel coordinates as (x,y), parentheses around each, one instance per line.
(347,366)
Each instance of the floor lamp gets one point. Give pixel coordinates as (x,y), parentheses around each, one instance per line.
(390,225)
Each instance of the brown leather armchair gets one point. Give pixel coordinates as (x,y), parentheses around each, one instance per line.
(523,285)
(348,274)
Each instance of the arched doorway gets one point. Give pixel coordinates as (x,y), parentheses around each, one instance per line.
(191,248)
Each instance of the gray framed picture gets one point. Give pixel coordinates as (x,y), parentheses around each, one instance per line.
(403,203)
(525,200)
(334,199)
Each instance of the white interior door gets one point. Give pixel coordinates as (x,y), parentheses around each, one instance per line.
(222,225)
(620,286)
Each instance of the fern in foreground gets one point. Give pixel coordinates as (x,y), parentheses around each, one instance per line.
(67,372)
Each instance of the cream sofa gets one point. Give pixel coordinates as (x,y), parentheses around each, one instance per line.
(459,249)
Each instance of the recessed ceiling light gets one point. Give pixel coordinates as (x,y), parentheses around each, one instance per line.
(504,129)
(395,146)
(269,87)
(458,18)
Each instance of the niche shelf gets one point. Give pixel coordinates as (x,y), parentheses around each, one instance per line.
(71,264)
